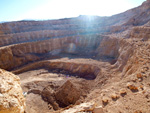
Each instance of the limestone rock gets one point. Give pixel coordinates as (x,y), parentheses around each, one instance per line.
(48,95)
(67,94)
(6,58)
(11,95)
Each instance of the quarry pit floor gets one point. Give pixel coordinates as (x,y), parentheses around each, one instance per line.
(33,81)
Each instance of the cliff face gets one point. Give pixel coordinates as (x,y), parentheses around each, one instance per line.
(29,31)
(101,52)
(140,33)
(19,54)
(11,95)
(27,41)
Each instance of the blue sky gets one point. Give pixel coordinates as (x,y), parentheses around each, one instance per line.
(13,10)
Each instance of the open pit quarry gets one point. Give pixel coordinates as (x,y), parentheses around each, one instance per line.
(87,64)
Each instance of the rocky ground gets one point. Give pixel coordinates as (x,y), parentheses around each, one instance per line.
(74,65)
(111,91)
(11,96)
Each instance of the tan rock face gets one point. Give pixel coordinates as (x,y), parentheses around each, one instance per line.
(85,71)
(48,93)
(19,54)
(67,94)
(140,33)
(109,47)
(6,57)
(122,40)
(11,95)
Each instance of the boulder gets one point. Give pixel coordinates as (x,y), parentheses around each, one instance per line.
(67,94)
(11,95)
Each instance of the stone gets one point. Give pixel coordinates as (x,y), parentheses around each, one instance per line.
(11,95)
(123,91)
(67,94)
(48,95)
(114,96)
(105,100)
(132,87)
